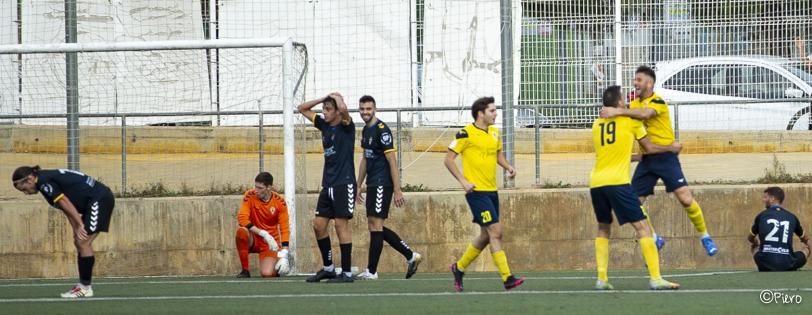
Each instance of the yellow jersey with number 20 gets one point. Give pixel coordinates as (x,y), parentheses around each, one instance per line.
(479,149)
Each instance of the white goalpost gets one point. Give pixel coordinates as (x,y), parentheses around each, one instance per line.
(217,82)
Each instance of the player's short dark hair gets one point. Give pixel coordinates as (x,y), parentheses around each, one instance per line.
(612,95)
(368,99)
(265,178)
(647,71)
(23,172)
(480,105)
(775,192)
(330,101)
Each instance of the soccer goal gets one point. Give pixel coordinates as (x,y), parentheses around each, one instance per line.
(232,82)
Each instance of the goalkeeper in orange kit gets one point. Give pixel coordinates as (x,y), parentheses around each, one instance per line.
(263,220)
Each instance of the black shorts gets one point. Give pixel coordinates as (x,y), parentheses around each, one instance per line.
(98,211)
(776,262)
(653,167)
(379,198)
(484,207)
(619,198)
(336,202)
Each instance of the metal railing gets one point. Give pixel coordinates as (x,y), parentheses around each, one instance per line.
(538,124)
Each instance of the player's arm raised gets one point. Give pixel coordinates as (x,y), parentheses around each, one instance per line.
(75,219)
(342,108)
(306,108)
(636,113)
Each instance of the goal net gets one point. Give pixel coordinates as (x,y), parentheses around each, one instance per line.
(148,114)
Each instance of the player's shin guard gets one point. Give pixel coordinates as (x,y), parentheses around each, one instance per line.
(375,248)
(346,258)
(602,258)
(695,214)
(648,219)
(242,247)
(326,253)
(469,256)
(398,244)
(649,250)
(86,269)
(500,259)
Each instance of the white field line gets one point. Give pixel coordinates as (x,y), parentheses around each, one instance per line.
(394,294)
(215,281)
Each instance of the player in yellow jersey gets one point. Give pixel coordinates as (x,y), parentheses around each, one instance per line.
(610,189)
(653,111)
(481,149)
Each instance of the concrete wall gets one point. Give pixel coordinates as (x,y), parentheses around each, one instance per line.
(154,140)
(544,230)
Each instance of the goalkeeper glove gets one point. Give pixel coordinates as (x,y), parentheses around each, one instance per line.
(269,239)
(282,265)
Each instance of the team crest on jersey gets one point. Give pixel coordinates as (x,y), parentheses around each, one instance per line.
(273,210)
(495,136)
(47,189)
(386,138)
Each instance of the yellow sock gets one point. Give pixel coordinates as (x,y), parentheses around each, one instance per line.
(602,257)
(648,219)
(652,257)
(469,256)
(500,260)
(695,214)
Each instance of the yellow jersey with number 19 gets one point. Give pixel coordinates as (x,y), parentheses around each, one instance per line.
(658,127)
(614,139)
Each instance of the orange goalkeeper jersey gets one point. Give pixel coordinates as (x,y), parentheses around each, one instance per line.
(271,216)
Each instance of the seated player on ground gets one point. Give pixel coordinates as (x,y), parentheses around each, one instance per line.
(263,219)
(771,236)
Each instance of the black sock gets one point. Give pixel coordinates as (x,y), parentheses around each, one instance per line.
(346,257)
(375,248)
(86,269)
(398,244)
(326,251)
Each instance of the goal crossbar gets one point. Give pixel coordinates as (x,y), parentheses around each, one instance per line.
(145,45)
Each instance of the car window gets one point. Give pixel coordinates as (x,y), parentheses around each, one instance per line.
(703,79)
(762,83)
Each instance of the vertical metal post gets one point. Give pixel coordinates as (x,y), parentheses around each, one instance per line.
(72,87)
(618,44)
(676,121)
(288,86)
(399,129)
(261,139)
(506,14)
(537,138)
(19,22)
(123,154)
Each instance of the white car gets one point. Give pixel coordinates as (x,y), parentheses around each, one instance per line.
(732,79)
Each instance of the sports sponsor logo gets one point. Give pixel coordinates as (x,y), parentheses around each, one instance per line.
(386,138)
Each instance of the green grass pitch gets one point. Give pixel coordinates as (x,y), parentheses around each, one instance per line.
(703,292)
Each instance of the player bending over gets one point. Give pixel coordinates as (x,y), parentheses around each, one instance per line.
(88,204)
(610,189)
(379,165)
(771,236)
(263,213)
(481,148)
